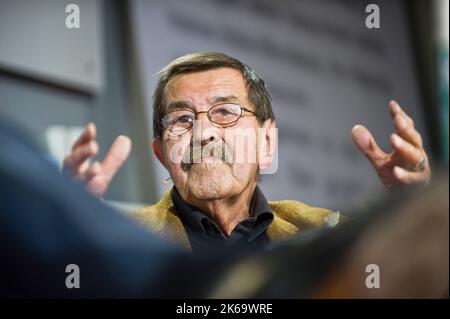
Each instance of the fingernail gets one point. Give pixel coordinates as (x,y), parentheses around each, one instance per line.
(356,127)
(402,122)
(397,107)
(93,146)
(398,171)
(396,139)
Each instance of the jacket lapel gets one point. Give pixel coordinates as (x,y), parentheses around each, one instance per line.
(162,219)
(290,217)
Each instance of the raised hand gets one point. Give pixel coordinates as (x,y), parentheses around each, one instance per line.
(407,163)
(98,175)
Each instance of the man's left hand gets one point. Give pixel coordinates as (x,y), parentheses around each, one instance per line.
(408,163)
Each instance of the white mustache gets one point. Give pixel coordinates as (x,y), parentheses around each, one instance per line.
(194,155)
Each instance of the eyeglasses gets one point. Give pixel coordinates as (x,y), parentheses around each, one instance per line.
(181,120)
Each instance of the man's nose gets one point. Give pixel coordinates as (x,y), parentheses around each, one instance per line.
(205,131)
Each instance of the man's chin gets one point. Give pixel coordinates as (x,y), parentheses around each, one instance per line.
(208,182)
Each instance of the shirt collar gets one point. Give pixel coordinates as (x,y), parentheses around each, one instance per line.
(259,210)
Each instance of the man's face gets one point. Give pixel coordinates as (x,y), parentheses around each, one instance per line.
(210,177)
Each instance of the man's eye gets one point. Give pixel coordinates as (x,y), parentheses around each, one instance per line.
(184,119)
(224,112)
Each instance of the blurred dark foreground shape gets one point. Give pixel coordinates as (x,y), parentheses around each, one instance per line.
(406,236)
(47,223)
(410,247)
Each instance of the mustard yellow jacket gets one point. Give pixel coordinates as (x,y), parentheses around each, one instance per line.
(290,217)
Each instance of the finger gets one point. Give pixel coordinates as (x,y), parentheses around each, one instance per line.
(407,131)
(94,170)
(395,110)
(116,155)
(406,150)
(78,157)
(88,134)
(409,178)
(367,144)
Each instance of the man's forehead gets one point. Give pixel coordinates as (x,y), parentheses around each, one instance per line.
(209,84)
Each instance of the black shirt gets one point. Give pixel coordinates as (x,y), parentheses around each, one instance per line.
(204,234)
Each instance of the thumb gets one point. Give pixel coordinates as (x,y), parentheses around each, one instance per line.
(367,144)
(116,156)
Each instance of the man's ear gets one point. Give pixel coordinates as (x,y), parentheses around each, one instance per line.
(157,149)
(267,143)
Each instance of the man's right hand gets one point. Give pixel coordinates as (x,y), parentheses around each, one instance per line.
(98,175)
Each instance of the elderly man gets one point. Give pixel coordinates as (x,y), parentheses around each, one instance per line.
(203,103)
